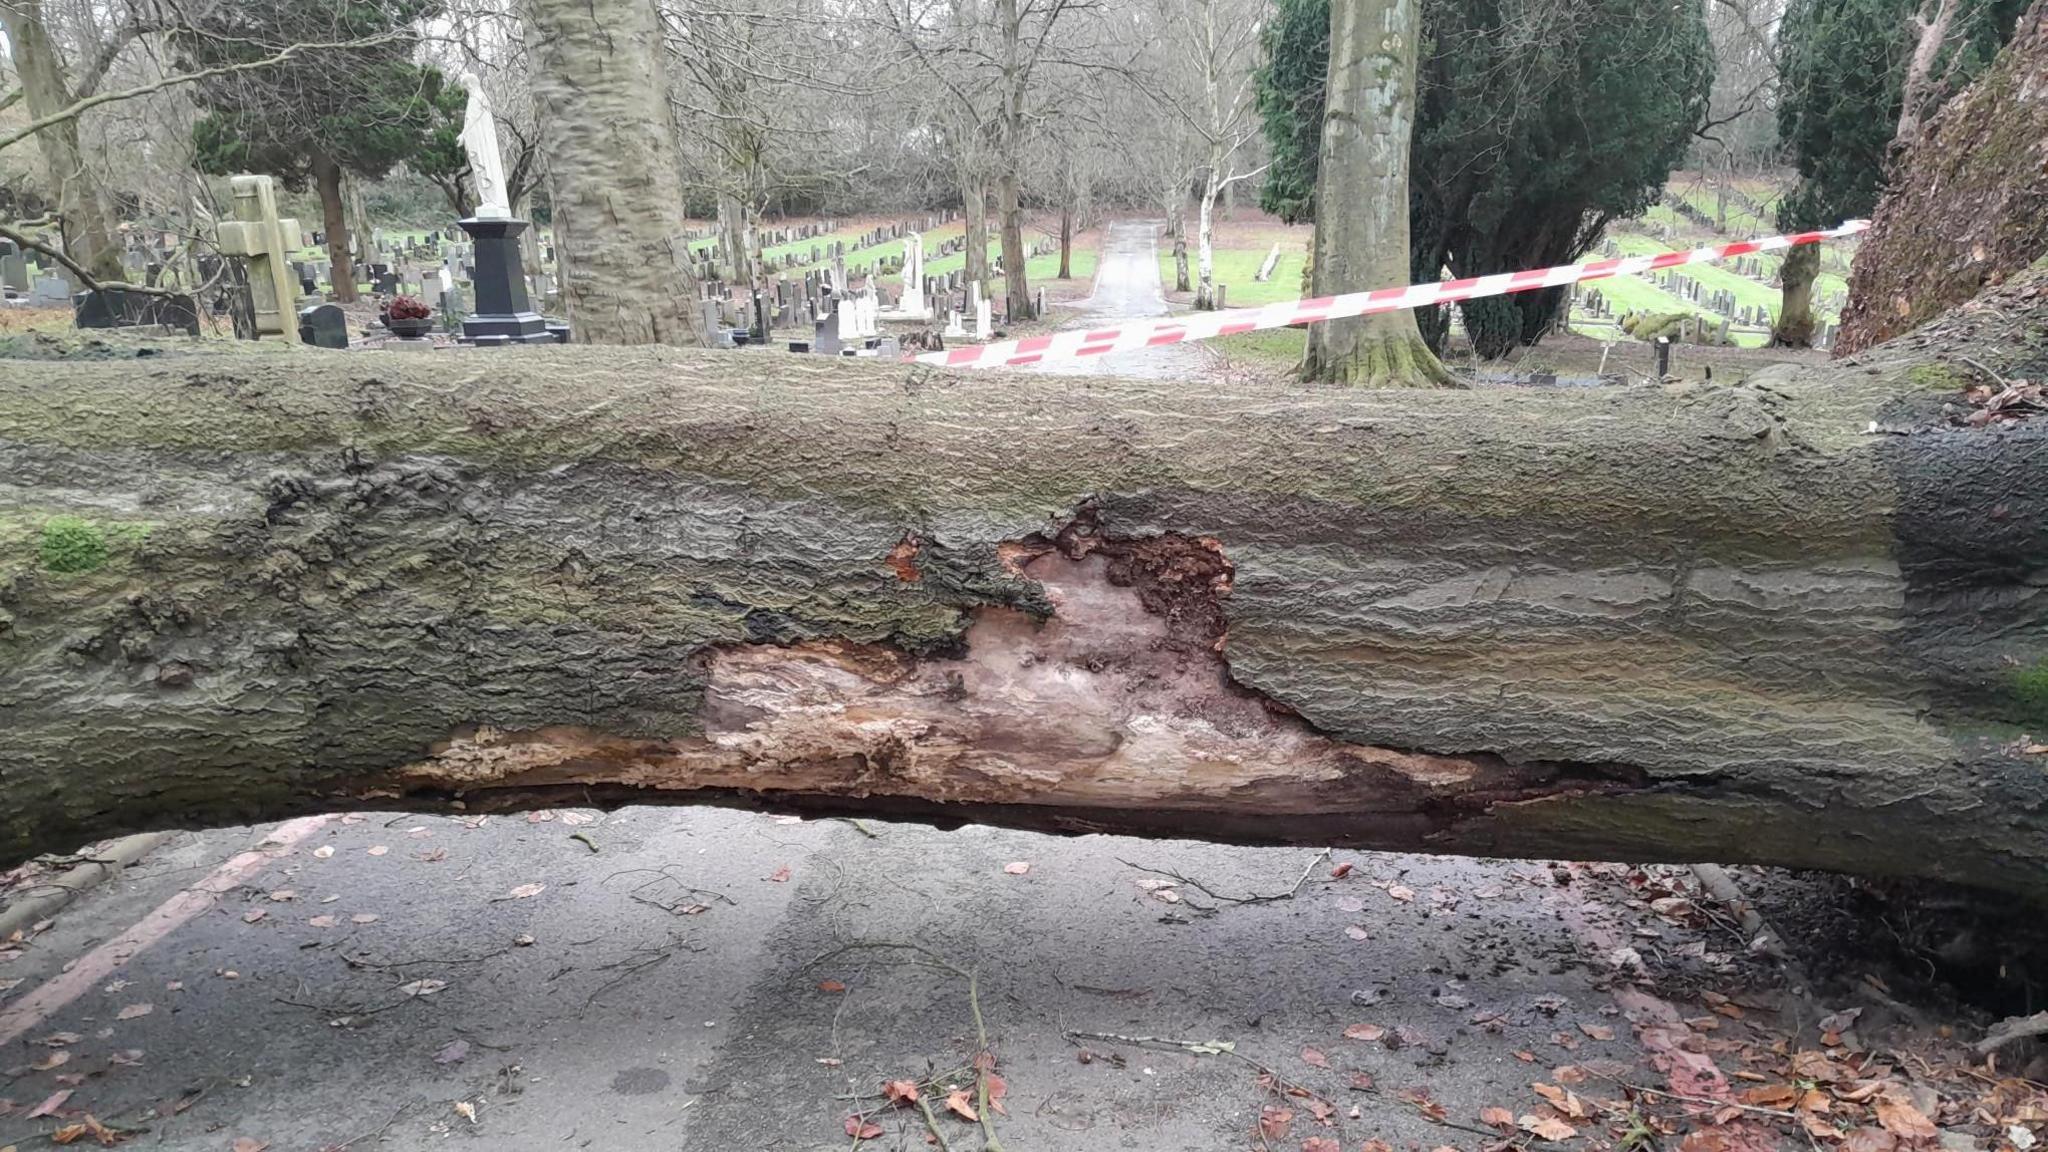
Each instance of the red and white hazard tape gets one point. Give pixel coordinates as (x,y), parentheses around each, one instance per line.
(1205,325)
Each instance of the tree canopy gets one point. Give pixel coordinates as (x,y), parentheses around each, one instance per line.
(1535,127)
(1842,72)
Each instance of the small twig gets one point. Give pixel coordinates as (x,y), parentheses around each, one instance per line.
(352,1141)
(1759,935)
(1979,366)
(861,828)
(358,962)
(1708,1101)
(585,838)
(931,1123)
(1255,898)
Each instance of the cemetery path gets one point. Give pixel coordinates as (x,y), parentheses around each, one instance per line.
(1127,287)
(662,978)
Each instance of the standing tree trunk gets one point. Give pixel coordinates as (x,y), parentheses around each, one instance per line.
(1016,276)
(359,219)
(1067,240)
(88,235)
(1796,273)
(974,199)
(1205,233)
(334,221)
(610,140)
(1177,230)
(1361,239)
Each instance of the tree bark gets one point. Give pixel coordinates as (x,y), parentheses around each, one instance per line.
(1066,240)
(334,220)
(1177,228)
(1205,236)
(1796,273)
(359,219)
(610,139)
(1929,33)
(974,199)
(1361,238)
(1016,275)
(1715,623)
(88,234)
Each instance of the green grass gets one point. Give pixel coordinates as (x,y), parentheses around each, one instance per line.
(1238,269)
(1278,347)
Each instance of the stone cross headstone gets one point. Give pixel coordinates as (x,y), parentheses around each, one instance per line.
(912,301)
(261,239)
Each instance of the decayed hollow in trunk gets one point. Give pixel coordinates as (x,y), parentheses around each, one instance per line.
(1800,621)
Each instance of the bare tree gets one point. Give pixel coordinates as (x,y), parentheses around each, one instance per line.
(83,217)
(1209,84)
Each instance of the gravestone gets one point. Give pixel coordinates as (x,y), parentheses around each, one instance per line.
(324,326)
(14,273)
(51,292)
(259,237)
(825,330)
(120,308)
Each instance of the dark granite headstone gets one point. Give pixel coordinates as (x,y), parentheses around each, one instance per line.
(324,326)
(119,308)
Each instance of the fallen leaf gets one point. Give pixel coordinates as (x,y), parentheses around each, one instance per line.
(830,1061)
(323,921)
(997,1089)
(1314,1058)
(453,1052)
(253,916)
(53,1060)
(525,892)
(466,1110)
(1326,1144)
(1546,1127)
(1498,1117)
(1274,1122)
(377,849)
(284,894)
(324,851)
(421,987)
(1370,1033)
(1350,904)
(1561,1099)
(1901,1119)
(522,941)
(831,986)
(249,1144)
(58,1039)
(174,986)
(134,1010)
(90,1126)
(1869,1140)
(1525,1056)
(578,819)
(900,1091)
(957,1101)
(1340,871)
(126,1057)
(780,875)
(1361,1082)
(1357,932)
(49,1106)
(363,918)
(540,817)
(1569,1074)
(1839,1022)
(1401,892)
(1770,1095)
(1597,1031)
(1017,867)
(1376,1146)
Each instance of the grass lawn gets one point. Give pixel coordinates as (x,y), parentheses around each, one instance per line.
(1274,347)
(1238,269)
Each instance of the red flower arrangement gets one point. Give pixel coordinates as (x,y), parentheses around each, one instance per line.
(408,308)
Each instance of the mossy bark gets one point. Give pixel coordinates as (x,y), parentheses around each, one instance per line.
(1796,275)
(1683,623)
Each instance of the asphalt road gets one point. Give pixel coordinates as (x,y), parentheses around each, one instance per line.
(720,980)
(1127,287)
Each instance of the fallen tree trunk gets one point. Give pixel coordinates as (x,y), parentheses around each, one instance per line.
(1799,621)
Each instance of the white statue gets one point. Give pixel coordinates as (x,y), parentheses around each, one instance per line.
(486,162)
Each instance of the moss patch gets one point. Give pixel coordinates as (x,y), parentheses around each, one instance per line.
(71,544)
(2030,691)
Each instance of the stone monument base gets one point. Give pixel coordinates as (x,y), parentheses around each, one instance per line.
(504,314)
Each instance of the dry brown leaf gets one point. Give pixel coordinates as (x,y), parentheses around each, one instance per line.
(249,1144)
(578,819)
(1901,1119)
(1358,932)
(1369,1033)
(323,922)
(832,986)
(1498,1117)
(526,892)
(363,918)
(421,987)
(1525,1056)
(126,1057)
(1377,1146)
(134,1010)
(1274,1122)
(900,1091)
(50,1104)
(1570,1074)
(53,1060)
(324,851)
(284,894)
(1561,1099)
(1017,867)
(377,849)
(1325,1144)
(1314,1058)
(997,1089)
(1869,1140)
(1340,871)
(1546,1127)
(1597,1031)
(780,875)
(253,916)
(58,1039)
(958,1103)
(1401,892)
(1770,1096)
